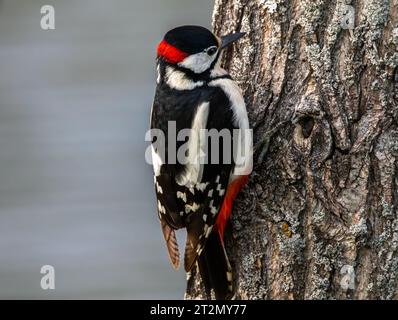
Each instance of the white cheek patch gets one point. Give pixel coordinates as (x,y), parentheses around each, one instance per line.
(179,81)
(198,62)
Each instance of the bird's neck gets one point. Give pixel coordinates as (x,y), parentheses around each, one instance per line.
(182,79)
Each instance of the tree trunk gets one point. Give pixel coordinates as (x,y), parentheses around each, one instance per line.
(318,219)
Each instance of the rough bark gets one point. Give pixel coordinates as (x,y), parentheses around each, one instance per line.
(321,205)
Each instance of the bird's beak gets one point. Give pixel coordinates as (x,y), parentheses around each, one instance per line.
(231,38)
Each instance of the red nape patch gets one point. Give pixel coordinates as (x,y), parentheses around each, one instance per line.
(226,208)
(170,53)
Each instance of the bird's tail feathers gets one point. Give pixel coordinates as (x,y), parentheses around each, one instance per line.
(215,269)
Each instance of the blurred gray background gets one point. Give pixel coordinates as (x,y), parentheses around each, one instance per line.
(75,191)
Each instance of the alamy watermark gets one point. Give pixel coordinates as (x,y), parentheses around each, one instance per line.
(47,21)
(348,277)
(195,145)
(47,281)
(348,17)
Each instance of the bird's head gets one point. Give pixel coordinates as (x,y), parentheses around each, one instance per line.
(193,47)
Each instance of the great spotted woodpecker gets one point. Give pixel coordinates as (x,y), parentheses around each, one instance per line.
(194,92)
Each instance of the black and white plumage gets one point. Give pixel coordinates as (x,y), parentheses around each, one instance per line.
(195,93)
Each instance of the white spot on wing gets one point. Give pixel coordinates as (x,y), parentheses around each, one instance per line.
(208,231)
(161,209)
(156,161)
(201,186)
(213,209)
(220,191)
(193,207)
(193,170)
(159,188)
(182,195)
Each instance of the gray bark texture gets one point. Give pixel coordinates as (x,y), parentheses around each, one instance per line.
(318,219)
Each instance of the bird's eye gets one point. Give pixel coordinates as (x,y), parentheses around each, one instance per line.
(212,50)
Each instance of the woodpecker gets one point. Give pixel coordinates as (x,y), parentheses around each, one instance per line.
(194,92)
